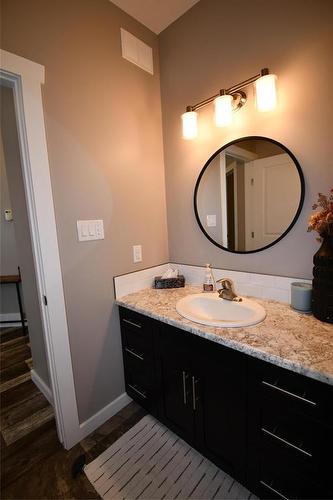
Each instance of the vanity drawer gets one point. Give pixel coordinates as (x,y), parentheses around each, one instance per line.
(281,475)
(137,332)
(142,370)
(303,437)
(294,467)
(291,429)
(273,485)
(302,443)
(140,382)
(137,335)
(286,389)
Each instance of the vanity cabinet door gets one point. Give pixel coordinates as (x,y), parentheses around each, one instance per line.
(220,410)
(175,402)
(202,396)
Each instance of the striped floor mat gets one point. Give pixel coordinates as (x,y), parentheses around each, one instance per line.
(151,462)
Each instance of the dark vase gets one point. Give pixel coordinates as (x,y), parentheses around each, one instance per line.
(322,283)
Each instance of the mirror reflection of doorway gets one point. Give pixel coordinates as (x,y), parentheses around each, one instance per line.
(231,209)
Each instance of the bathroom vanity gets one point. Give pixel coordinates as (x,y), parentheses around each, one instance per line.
(257,401)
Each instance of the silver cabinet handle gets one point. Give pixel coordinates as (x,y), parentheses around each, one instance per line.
(137,391)
(286,442)
(131,323)
(134,354)
(274,491)
(276,387)
(184,388)
(194,396)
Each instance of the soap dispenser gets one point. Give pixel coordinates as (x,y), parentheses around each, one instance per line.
(209,281)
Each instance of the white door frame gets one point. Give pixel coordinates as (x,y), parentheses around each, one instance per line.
(223,191)
(233,169)
(25,78)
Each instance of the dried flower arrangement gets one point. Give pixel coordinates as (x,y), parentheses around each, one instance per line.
(322,221)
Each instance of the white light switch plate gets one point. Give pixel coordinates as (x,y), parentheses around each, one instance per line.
(137,253)
(211,220)
(88,230)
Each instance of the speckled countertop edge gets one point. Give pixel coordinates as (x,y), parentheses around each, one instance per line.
(285,338)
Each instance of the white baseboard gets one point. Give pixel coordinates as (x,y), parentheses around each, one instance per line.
(92,423)
(44,389)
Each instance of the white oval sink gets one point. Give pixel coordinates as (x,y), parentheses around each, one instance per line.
(209,309)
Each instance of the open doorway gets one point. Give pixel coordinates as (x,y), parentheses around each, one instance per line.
(25,78)
(25,380)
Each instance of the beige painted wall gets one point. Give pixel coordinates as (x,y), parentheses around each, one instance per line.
(217,44)
(104,136)
(12,160)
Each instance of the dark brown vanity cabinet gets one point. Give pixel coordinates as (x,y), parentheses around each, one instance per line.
(266,426)
(290,434)
(202,397)
(219,381)
(137,332)
(195,387)
(175,398)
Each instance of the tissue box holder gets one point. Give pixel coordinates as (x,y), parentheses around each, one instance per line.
(178,282)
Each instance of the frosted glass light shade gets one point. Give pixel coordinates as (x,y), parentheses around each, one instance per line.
(223,110)
(190,125)
(266,98)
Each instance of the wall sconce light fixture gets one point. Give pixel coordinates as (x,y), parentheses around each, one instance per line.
(232,99)
(266,92)
(190,124)
(223,109)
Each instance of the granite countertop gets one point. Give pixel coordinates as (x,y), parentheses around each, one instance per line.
(298,342)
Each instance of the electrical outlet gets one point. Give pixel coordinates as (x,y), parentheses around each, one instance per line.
(137,253)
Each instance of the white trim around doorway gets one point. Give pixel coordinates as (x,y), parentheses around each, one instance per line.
(26,78)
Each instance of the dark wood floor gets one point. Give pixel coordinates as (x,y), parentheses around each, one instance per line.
(33,462)
(23,407)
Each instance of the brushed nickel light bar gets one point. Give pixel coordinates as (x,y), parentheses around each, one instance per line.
(232,99)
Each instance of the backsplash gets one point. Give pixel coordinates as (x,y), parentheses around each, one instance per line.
(138,280)
(261,286)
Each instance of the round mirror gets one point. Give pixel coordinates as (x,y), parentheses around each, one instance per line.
(249,194)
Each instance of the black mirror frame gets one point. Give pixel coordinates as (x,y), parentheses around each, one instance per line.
(301,201)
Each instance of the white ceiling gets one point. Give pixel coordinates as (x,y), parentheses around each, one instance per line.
(155,14)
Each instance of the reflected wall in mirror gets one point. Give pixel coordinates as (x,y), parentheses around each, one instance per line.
(249,194)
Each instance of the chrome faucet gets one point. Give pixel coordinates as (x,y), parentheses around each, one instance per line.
(228,290)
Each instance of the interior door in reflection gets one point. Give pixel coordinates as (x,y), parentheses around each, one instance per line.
(271,198)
